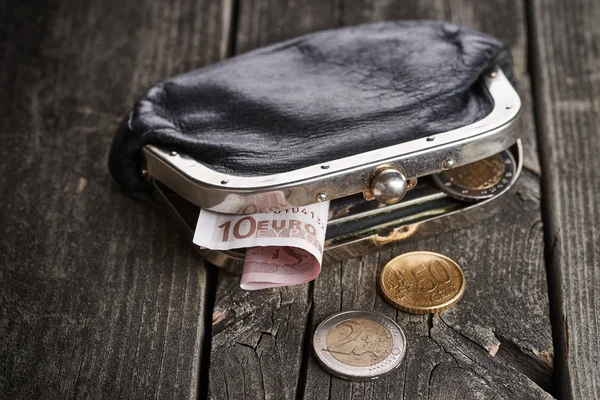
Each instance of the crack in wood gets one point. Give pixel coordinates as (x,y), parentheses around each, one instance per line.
(527,362)
(512,354)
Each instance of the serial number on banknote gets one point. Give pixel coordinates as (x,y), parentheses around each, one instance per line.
(320,222)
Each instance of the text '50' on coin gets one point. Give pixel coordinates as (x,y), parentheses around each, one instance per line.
(359,345)
(422,282)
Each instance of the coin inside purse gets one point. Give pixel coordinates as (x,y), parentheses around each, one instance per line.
(412,189)
(357,226)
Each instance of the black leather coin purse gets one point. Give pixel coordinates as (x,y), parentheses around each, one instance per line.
(408,128)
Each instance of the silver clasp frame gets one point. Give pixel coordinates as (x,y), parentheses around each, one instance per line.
(333,179)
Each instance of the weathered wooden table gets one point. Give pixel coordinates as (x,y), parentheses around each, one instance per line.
(102,297)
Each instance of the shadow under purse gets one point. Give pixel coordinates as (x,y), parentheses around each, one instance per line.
(408,128)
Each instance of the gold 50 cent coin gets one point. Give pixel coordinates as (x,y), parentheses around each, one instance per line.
(422,282)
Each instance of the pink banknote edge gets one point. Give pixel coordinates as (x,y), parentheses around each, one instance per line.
(262,269)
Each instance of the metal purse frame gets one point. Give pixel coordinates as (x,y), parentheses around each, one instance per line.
(184,185)
(233,194)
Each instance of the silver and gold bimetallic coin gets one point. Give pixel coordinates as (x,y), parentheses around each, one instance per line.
(359,345)
(422,282)
(479,180)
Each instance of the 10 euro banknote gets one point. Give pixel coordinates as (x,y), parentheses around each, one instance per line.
(284,247)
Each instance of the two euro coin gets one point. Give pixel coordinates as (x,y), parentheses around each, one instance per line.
(359,345)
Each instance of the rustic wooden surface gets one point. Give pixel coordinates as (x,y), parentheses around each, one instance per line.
(566,44)
(101,296)
(447,355)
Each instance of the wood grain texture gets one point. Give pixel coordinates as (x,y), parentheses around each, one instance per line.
(566,50)
(259,337)
(100,296)
(257,341)
(505,308)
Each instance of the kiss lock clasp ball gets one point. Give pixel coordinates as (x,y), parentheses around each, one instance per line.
(389,186)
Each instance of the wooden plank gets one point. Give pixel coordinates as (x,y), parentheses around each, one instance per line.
(257,341)
(505,309)
(566,58)
(100,295)
(258,337)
